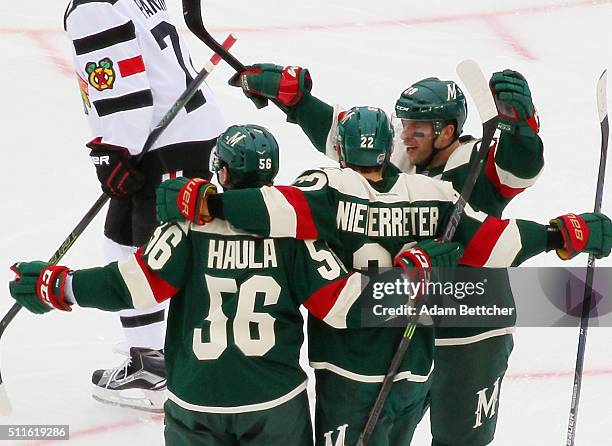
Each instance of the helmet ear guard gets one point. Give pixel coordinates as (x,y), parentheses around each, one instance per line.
(364,137)
(250,153)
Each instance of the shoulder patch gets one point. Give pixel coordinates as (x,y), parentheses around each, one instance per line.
(311,180)
(101,75)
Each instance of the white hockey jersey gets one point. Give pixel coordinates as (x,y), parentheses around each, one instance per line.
(132,65)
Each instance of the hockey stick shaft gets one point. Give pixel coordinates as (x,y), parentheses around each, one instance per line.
(192,10)
(151,139)
(588,288)
(478,87)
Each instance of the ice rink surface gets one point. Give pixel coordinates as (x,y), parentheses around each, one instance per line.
(359,53)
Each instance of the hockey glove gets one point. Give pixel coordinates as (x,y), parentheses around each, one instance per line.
(268,81)
(40,287)
(430,254)
(513,99)
(418,260)
(114,168)
(590,233)
(182,198)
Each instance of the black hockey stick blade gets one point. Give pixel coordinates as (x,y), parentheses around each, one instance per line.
(602,109)
(5,407)
(478,87)
(192,10)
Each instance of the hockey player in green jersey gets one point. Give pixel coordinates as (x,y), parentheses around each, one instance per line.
(431,114)
(367,211)
(234,326)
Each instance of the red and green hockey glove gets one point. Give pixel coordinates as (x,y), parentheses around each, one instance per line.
(268,81)
(418,261)
(590,233)
(182,199)
(40,287)
(514,105)
(114,169)
(430,254)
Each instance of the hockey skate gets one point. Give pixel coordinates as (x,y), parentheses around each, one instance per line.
(139,383)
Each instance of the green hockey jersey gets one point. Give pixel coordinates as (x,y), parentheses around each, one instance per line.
(512,164)
(234,328)
(367,223)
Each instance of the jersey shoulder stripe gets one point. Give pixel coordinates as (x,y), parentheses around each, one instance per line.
(131,101)
(74,4)
(105,39)
(461,156)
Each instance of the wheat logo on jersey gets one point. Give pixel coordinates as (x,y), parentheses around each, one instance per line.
(101,74)
(84,88)
(486,406)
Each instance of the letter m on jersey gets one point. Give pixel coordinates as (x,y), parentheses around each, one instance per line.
(339,440)
(485,405)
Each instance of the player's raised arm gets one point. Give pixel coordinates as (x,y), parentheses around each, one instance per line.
(517,160)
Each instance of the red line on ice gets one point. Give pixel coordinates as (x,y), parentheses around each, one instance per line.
(555,374)
(504,33)
(94,430)
(389,22)
(100,429)
(491,17)
(40,38)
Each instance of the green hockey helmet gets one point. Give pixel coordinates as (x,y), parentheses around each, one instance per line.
(365,137)
(250,153)
(433,100)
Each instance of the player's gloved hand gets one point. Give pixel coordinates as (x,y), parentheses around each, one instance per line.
(513,99)
(260,82)
(40,287)
(114,168)
(182,198)
(590,233)
(430,254)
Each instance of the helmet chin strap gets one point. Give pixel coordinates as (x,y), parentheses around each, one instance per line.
(435,150)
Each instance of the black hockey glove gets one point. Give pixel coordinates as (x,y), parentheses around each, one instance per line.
(117,176)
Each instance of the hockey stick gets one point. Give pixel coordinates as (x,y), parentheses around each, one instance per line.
(192,10)
(602,108)
(5,407)
(478,87)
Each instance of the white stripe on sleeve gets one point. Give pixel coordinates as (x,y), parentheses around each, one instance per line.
(283,219)
(136,282)
(506,248)
(349,294)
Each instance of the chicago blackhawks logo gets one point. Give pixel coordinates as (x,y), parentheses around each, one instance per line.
(101,74)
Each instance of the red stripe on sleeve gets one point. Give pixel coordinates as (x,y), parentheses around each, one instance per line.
(128,67)
(479,248)
(306,228)
(162,290)
(491,173)
(322,301)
